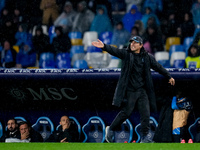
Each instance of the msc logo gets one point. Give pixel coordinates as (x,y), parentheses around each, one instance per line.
(53,94)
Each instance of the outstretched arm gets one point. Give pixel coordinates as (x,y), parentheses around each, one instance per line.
(120,53)
(98,44)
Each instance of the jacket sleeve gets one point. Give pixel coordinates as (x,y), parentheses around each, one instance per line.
(158,67)
(120,53)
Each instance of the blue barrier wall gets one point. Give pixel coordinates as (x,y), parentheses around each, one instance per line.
(81,93)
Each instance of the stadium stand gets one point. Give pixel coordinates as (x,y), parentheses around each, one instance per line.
(187,43)
(47,60)
(163,58)
(88,38)
(94,130)
(153,126)
(1,130)
(194,130)
(125,134)
(80,64)
(76,38)
(63,60)
(177,59)
(172,41)
(44,126)
(106,37)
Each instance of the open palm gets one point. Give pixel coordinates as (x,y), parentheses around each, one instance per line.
(98,44)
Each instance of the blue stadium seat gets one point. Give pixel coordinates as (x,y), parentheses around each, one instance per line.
(75,122)
(76,49)
(125,134)
(194,130)
(44,126)
(106,37)
(92,49)
(163,58)
(187,43)
(94,130)
(19,119)
(63,60)
(80,64)
(153,125)
(114,62)
(178,59)
(75,35)
(47,60)
(176,48)
(1,130)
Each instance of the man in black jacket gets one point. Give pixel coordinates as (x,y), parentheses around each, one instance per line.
(65,133)
(28,134)
(135,85)
(11,132)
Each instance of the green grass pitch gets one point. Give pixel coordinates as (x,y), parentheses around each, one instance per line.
(99,146)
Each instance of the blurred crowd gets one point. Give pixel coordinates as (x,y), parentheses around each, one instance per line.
(23,38)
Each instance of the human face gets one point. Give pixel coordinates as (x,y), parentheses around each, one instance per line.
(6,45)
(135,47)
(193,51)
(65,122)
(11,125)
(24,129)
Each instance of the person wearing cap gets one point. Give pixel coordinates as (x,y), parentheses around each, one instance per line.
(135,85)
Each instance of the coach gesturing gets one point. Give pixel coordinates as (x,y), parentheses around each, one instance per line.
(135,85)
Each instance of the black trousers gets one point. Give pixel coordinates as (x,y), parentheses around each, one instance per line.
(140,99)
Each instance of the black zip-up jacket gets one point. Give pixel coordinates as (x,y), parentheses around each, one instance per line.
(127,61)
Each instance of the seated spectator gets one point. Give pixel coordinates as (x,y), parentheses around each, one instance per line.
(28,134)
(26,56)
(61,43)
(196,12)
(83,19)
(22,36)
(140,26)
(8,30)
(41,42)
(120,35)
(101,22)
(66,18)
(172,25)
(147,15)
(8,56)
(17,17)
(130,18)
(135,31)
(4,15)
(50,11)
(66,132)
(155,5)
(187,26)
(12,131)
(193,58)
(154,37)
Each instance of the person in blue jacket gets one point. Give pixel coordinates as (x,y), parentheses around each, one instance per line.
(130,18)
(101,22)
(26,56)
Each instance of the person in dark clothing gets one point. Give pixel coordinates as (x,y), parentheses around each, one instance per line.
(8,55)
(12,131)
(61,43)
(65,133)
(28,134)
(135,85)
(41,42)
